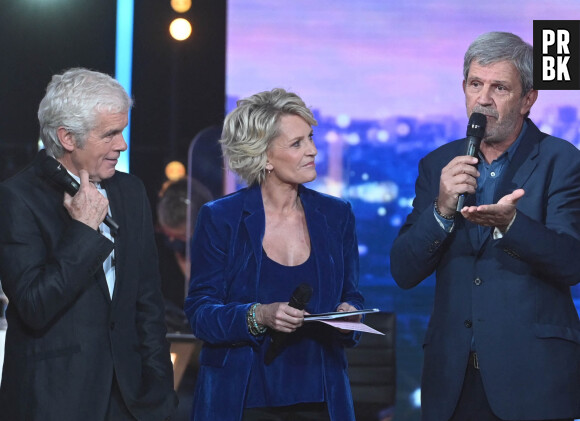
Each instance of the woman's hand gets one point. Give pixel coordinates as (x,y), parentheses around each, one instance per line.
(347,307)
(355,318)
(280,317)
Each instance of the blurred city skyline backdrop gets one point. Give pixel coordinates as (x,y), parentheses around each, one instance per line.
(374,59)
(384,81)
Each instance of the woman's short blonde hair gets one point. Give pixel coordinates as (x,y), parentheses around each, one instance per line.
(249,129)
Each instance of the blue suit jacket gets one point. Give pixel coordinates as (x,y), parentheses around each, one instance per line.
(512,295)
(226,258)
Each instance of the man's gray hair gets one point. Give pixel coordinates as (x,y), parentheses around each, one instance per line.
(74,100)
(493,47)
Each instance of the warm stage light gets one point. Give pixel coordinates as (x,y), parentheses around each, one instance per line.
(180,29)
(174,170)
(181,6)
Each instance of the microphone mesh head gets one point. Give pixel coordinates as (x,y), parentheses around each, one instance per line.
(301,296)
(476,125)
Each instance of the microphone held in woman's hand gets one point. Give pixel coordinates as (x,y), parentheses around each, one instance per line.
(299,300)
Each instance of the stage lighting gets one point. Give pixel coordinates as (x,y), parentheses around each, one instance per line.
(174,170)
(181,6)
(180,29)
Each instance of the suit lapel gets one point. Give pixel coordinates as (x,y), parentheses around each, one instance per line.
(319,240)
(471,228)
(523,163)
(102,283)
(516,174)
(472,233)
(255,221)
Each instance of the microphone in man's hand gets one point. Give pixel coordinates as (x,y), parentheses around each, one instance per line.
(475,132)
(299,300)
(54,170)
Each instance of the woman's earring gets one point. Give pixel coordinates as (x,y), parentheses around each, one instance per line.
(269,171)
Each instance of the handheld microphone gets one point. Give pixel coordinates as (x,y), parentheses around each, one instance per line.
(58,174)
(475,132)
(299,300)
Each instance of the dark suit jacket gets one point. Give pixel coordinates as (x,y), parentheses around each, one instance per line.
(226,261)
(512,294)
(66,338)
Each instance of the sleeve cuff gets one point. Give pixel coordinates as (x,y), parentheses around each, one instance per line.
(497,234)
(446,224)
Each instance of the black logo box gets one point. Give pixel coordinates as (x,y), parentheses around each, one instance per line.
(573,64)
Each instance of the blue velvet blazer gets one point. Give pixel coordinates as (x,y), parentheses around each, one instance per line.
(226,259)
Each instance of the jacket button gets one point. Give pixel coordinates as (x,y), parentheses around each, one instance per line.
(467,323)
(477,281)
(112,325)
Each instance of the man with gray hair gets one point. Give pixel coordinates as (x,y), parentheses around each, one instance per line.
(503,342)
(78,263)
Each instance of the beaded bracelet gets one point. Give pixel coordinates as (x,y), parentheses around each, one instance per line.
(253,326)
(449,218)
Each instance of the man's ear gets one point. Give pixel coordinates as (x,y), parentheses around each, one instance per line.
(67,139)
(528,101)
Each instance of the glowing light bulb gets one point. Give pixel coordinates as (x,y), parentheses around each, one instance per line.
(181,6)
(174,170)
(180,29)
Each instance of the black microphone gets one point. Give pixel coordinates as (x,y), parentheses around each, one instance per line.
(57,173)
(299,300)
(475,131)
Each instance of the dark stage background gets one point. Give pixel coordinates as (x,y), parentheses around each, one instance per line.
(179,88)
(383,78)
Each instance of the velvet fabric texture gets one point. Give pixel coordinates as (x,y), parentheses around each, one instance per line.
(66,337)
(226,257)
(511,295)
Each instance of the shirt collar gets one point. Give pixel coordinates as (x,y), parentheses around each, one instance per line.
(78,179)
(514,146)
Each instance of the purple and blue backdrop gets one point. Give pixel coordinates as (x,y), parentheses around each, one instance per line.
(384,81)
